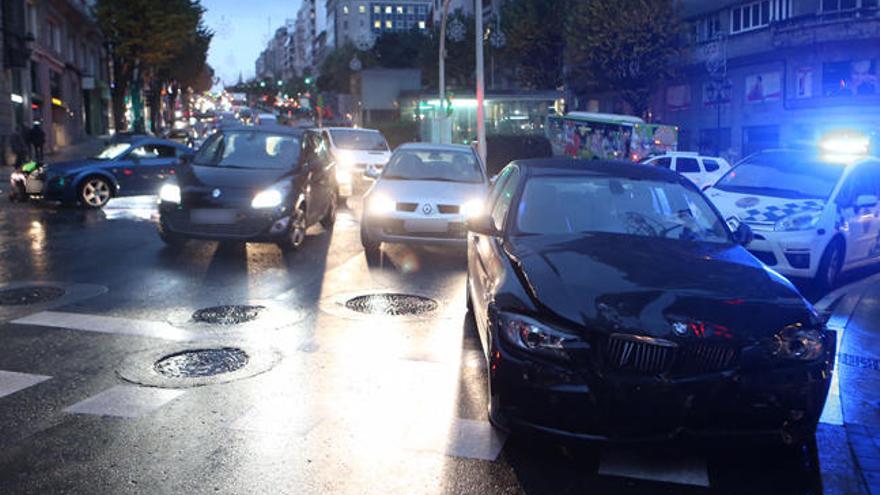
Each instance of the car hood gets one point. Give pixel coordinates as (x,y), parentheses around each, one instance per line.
(229,178)
(365,157)
(757,210)
(425,191)
(624,284)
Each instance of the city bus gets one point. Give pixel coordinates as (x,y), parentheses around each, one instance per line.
(608,136)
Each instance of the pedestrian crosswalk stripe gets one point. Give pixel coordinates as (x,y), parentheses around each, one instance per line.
(13,381)
(125,401)
(278,416)
(105,324)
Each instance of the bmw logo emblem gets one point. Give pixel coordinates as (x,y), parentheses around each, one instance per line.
(427,209)
(680,329)
(216,193)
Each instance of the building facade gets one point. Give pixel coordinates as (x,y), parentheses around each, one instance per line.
(774,73)
(276,61)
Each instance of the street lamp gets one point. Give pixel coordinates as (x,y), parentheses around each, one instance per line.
(481,112)
(442,70)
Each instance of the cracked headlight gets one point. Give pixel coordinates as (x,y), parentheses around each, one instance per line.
(535,337)
(798,343)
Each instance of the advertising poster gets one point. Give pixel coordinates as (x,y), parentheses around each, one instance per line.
(764,87)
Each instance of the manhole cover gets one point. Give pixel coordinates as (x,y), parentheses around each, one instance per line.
(391,304)
(227,315)
(22,296)
(202,362)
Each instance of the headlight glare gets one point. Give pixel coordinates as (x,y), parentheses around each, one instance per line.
(270,198)
(532,336)
(472,208)
(798,221)
(170,193)
(381,205)
(798,343)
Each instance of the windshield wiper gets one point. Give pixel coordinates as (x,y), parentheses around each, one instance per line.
(440,179)
(396,177)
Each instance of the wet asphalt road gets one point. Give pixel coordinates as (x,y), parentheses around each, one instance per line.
(330,401)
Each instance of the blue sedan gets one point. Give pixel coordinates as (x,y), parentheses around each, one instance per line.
(136,167)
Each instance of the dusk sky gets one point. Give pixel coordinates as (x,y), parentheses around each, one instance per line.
(241,29)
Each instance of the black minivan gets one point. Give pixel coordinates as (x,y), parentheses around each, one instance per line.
(251,184)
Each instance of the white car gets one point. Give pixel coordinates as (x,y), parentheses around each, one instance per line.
(424,196)
(357,152)
(811,217)
(701,170)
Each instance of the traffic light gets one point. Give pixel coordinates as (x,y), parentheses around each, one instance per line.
(308,80)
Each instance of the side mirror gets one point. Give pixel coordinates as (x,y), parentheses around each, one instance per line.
(482,225)
(866,201)
(743,235)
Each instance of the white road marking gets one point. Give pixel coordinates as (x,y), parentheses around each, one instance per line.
(653,466)
(465,438)
(278,416)
(105,324)
(125,401)
(13,381)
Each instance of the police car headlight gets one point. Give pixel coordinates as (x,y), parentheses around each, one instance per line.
(798,221)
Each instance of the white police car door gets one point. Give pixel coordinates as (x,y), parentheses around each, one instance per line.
(863,242)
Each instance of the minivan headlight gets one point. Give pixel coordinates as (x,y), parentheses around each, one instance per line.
(270,198)
(170,193)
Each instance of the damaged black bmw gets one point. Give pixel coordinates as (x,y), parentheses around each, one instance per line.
(614,303)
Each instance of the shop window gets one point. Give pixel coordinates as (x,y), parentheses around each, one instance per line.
(759,138)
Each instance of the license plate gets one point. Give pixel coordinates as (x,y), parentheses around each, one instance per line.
(216,217)
(33,186)
(426,226)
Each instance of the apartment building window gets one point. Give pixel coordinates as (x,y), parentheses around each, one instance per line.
(345,9)
(422,25)
(377,9)
(389,24)
(54,36)
(707,28)
(833,6)
(33,25)
(757,15)
(362,9)
(377,24)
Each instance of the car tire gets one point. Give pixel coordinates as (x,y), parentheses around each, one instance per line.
(329,218)
(371,246)
(94,192)
(830,266)
(296,232)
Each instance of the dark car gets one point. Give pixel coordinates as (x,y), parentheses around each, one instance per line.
(134,167)
(614,303)
(253,184)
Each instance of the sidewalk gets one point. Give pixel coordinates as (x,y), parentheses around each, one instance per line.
(856,315)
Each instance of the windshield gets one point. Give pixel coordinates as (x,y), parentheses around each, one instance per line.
(788,175)
(610,205)
(444,166)
(250,149)
(358,140)
(113,151)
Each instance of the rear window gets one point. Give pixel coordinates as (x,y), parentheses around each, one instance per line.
(250,149)
(687,165)
(711,165)
(358,140)
(662,162)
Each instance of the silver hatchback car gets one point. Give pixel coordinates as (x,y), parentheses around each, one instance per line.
(424,195)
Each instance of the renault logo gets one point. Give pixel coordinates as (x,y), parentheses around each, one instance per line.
(216,193)
(427,209)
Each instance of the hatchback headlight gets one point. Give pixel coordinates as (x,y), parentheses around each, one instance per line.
(798,221)
(798,343)
(170,193)
(533,336)
(381,204)
(270,198)
(472,208)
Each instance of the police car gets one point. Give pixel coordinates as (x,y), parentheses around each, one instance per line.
(813,215)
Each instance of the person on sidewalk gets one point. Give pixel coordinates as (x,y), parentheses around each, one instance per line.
(37,138)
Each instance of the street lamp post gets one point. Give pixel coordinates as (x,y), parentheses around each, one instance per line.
(442,71)
(481,117)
